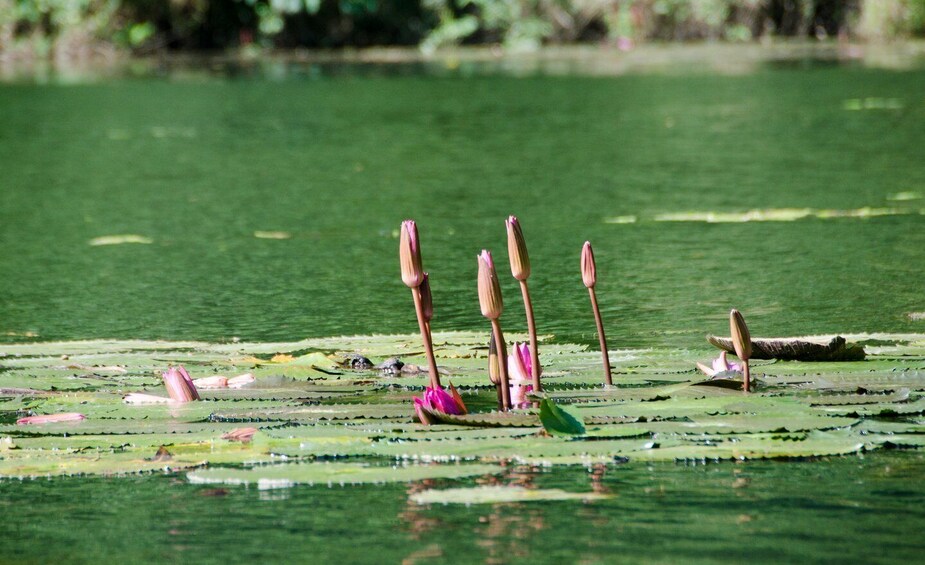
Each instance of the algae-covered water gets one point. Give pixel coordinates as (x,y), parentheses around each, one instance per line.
(265,205)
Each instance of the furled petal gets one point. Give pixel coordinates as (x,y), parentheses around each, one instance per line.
(216,381)
(50,418)
(519,394)
(241,380)
(189,383)
(517,369)
(442,401)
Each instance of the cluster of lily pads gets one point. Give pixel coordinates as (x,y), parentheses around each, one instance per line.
(310,416)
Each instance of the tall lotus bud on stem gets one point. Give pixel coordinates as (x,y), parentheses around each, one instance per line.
(588,268)
(409,255)
(517,249)
(413,275)
(491,305)
(427,301)
(589,277)
(742,342)
(489,288)
(520,268)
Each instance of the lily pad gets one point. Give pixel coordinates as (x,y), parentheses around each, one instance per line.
(499,494)
(287,475)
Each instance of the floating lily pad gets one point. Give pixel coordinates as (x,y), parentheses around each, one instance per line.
(286,475)
(499,494)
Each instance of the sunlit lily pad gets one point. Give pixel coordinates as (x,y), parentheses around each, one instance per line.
(286,475)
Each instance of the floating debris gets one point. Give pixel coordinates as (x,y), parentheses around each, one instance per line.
(272,234)
(120,239)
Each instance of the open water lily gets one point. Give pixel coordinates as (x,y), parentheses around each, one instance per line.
(439,400)
(720,365)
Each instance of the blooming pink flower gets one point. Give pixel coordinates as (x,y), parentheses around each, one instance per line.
(438,400)
(720,365)
(519,366)
(51,418)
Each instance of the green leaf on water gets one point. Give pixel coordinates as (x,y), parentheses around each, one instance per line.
(558,420)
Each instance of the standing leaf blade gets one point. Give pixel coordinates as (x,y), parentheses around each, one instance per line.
(559,420)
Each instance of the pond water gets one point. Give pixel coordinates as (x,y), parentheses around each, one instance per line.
(199,162)
(270,201)
(857,510)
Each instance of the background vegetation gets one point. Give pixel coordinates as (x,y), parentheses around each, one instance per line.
(67,29)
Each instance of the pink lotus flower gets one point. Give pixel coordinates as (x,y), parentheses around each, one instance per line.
(50,419)
(720,365)
(438,400)
(520,373)
(179,385)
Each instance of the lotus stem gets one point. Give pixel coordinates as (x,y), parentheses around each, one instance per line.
(531,327)
(502,364)
(746,376)
(426,338)
(600,334)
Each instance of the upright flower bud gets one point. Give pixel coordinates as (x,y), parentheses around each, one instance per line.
(741,339)
(489,288)
(427,301)
(517,249)
(409,255)
(588,269)
(494,362)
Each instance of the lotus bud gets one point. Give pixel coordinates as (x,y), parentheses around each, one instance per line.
(216,381)
(241,381)
(427,301)
(409,255)
(588,269)
(741,339)
(494,367)
(517,249)
(179,385)
(489,288)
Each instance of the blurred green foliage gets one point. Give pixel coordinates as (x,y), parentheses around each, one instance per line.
(39,28)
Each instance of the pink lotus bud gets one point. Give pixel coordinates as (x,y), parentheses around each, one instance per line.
(518,370)
(588,268)
(409,255)
(216,381)
(179,385)
(50,419)
(517,249)
(241,381)
(427,301)
(489,288)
